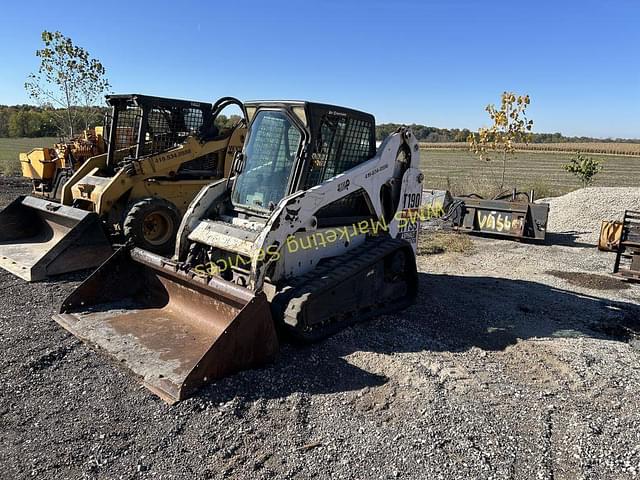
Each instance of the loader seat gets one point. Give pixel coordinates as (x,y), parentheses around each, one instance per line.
(208,132)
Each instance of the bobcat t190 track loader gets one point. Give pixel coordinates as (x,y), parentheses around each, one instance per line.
(161,152)
(314,230)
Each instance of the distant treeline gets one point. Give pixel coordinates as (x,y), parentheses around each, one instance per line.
(30,121)
(440,135)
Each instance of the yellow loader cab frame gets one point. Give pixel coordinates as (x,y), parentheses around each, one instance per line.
(160,153)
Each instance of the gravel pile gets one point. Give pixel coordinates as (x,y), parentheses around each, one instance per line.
(581,212)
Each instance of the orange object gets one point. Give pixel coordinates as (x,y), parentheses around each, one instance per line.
(610,235)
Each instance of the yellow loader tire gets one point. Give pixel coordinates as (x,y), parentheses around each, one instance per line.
(152,224)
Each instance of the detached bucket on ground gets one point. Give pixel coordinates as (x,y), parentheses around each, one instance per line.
(40,238)
(172,330)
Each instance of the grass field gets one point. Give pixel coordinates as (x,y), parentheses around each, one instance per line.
(455,169)
(607,148)
(11,147)
(462,172)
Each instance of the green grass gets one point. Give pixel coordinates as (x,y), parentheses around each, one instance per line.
(461,172)
(11,147)
(431,243)
(457,170)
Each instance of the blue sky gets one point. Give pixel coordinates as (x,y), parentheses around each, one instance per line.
(436,63)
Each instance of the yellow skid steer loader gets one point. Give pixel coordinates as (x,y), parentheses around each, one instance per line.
(49,168)
(313,230)
(160,153)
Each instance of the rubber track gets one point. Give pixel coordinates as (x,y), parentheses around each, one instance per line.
(327,276)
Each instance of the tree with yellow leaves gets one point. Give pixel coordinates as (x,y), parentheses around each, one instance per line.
(510,126)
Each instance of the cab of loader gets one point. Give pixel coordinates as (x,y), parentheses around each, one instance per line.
(291,147)
(294,146)
(142,125)
(161,152)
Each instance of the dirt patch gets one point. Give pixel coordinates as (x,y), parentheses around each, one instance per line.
(11,188)
(590,280)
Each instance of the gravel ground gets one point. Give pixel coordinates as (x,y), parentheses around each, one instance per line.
(506,367)
(581,212)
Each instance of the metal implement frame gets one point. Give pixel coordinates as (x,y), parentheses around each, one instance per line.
(627,264)
(527,221)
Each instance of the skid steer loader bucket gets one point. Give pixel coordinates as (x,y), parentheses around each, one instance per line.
(39,238)
(174,331)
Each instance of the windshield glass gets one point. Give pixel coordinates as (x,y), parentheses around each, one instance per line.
(269,157)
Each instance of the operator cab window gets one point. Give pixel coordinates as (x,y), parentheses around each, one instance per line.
(342,144)
(168,127)
(271,151)
(126,131)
